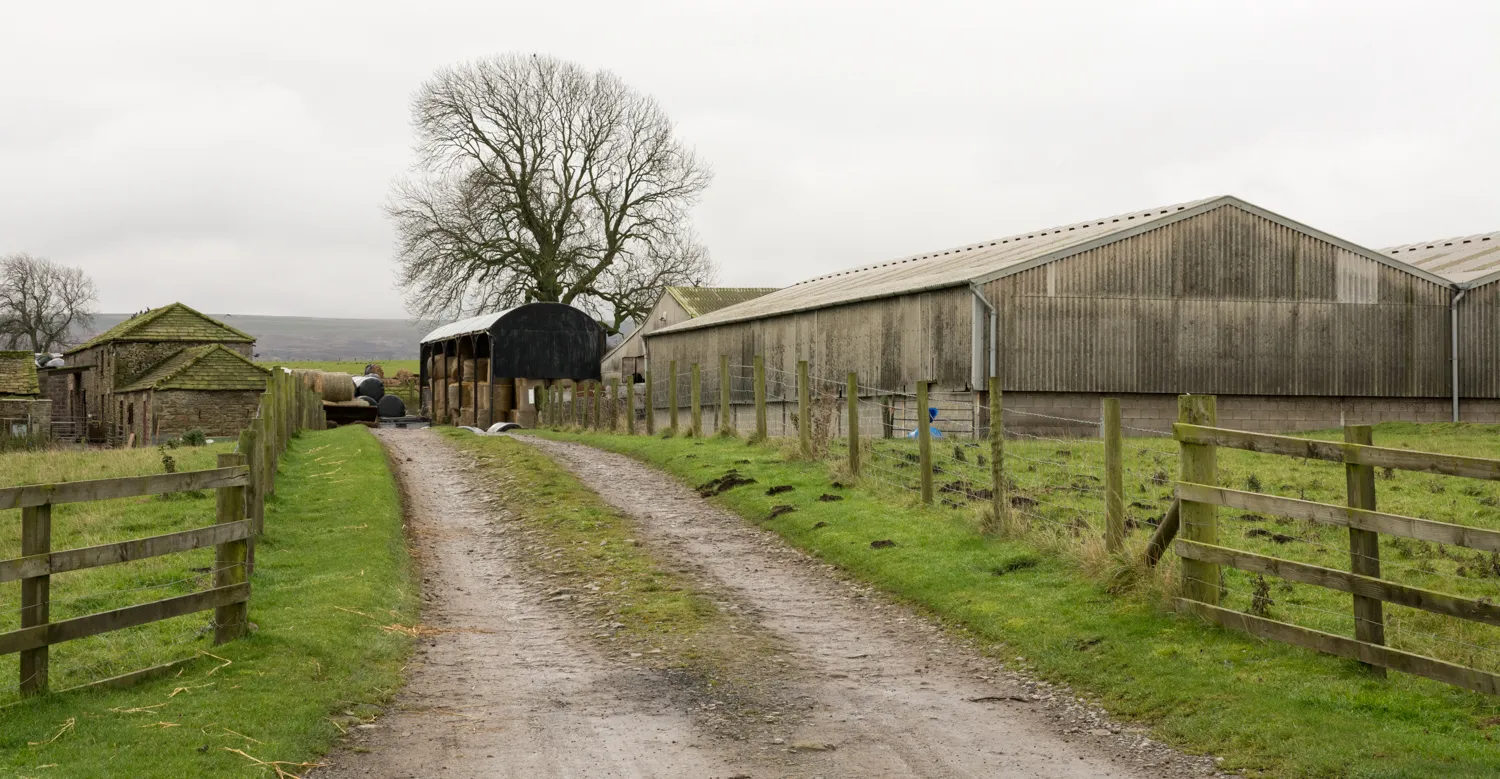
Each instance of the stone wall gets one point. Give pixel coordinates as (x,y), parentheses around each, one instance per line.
(216,413)
(22,417)
(132,360)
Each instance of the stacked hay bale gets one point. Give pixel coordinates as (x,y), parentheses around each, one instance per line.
(335,387)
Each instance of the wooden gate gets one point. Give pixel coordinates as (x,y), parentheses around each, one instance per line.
(1199,547)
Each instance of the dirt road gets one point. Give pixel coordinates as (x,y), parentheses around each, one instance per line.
(513,687)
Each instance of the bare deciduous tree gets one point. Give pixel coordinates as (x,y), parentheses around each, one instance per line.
(539,180)
(41,302)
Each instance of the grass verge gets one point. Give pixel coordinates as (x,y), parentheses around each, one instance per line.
(333,601)
(1268,709)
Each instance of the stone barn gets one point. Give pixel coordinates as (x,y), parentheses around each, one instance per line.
(1293,328)
(24,413)
(210,388)
(677,304)
(113,378)
(488,368)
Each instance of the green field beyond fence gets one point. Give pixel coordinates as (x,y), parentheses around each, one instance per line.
(332,618)
(1018,482)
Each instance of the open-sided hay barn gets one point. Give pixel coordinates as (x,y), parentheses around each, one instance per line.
(484,369)
(1292,328)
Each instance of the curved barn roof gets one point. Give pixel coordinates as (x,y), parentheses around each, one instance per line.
(470,326)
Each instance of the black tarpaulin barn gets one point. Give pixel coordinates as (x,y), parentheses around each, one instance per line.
(488,368)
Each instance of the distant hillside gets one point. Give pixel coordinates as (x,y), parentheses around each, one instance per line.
(311,338)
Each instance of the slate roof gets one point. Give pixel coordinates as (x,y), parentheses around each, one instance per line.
(168,323)
(698,301)
(1468,260)
(211,367)
(18,374)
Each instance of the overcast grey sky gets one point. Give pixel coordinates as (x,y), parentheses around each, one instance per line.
(236,157)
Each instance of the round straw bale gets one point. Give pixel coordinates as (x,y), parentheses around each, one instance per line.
(337,387)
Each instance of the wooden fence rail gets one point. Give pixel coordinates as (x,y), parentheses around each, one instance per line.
(241,482)
(1199,498)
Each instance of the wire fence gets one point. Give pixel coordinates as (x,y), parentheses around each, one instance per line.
(1052,478)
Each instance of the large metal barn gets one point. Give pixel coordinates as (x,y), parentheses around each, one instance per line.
(1291,327)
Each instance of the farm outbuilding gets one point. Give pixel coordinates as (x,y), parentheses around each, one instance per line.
(24,412)
(676,304)
(485,369)
(131,357)
(211,388)
(1471,263)
(1291,327)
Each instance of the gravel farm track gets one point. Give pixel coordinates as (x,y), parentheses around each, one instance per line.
(511,682)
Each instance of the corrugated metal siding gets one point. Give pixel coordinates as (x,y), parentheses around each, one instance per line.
(1225,302)
(891,343)
(1479,342)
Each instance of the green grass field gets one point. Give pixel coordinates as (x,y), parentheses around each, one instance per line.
(351,367)
(333,592)
(1267,708)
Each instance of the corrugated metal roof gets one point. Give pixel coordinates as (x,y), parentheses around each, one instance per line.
(931,270)
(988,260)
(1465,260)
(470,326)
(698,301)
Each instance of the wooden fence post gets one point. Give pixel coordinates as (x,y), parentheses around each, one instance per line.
(614,405)
(924,442)
(629,380)
(999,495)
(247,448)
(696,401)
(258,474)
(650,403)
(853,422)
(1364,545)
(761,431)
(1114,479)
(672,396)
(598,405)
(726,424)
(231,559)
(1199,521)
(36,594)
(804,409)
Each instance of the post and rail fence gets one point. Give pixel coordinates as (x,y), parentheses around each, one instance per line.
(1093,496)
(1202,551)
(241,481)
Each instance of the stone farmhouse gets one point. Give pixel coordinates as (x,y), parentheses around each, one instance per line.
(160,374)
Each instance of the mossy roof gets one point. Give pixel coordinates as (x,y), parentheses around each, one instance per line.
(169,323)
(698,301)
(211,367)
(18,374)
